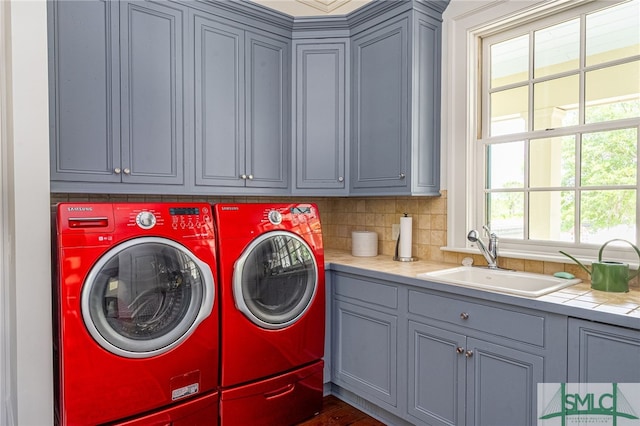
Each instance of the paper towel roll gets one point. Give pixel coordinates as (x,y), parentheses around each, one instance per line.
(364,243)
(406,228)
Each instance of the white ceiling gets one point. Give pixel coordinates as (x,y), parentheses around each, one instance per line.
(314,7)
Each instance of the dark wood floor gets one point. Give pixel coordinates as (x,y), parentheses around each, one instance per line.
(338,413)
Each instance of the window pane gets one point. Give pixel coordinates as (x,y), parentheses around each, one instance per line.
(613,33)
(613,93)
(555,103)
(506,164)
(610,158)
(552,162)
(510,61)
(505,211)
(509,111)
(552,216)
(557,48)
(608,214)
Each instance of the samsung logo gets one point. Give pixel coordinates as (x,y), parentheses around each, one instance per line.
(79,209)
(230,208)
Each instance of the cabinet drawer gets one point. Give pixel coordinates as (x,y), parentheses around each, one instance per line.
(520,326)
(366,290)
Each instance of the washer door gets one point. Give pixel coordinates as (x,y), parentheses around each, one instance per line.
(275,279)
(146,296)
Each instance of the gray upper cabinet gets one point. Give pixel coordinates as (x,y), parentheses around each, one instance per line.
(242,107)
(380,109)
(219,103)
(117,95)
(84,86)
(396,106)
(152,102)
(214,97)
(268,112)
(319,80)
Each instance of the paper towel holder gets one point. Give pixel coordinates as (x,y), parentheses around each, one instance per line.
(402,259)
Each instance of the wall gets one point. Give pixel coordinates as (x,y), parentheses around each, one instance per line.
(26,358)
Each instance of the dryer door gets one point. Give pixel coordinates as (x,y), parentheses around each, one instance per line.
(145,296)
(275,279)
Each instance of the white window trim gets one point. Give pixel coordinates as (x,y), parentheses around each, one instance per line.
(464,23)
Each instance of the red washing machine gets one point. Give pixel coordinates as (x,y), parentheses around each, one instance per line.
(136,325)
(272,302)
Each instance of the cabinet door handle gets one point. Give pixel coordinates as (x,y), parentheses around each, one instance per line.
(459,350)
(469,354)
(117,170)
(250,177)
(243,176)
(464,316)
(126,171)
(401,176)
(340,179)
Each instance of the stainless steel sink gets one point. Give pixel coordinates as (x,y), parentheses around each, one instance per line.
(520,283)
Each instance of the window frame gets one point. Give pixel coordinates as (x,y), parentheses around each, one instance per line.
(464,32)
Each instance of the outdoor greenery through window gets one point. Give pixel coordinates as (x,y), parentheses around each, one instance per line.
(561,126)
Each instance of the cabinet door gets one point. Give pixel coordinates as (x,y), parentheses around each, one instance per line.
(267,112)
(151,56)
(501,384)
(436,385)
(319,116)
(219,103)
(380,96)
(84,85)
(365,346)
(425,120)
(601,353)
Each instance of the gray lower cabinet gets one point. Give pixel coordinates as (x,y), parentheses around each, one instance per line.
(365,342)
(430,358)
(603,353)
(479,364)
(455,380)
(242,107)
(116,86)
(319,81)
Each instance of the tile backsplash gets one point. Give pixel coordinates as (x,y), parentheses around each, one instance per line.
(341,216)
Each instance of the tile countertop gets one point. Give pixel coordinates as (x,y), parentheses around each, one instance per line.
(578,300)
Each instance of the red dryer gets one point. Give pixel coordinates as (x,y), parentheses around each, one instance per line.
(272,302)
(136,324)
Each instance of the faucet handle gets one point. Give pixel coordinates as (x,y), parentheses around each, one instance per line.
(487,229)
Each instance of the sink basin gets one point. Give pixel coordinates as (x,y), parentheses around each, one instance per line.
(520,283)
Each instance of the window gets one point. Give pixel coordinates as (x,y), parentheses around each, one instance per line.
(556,147)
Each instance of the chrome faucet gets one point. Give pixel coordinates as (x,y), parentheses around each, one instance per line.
(490,253)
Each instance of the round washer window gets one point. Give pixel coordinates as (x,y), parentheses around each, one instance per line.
(275,279)
(145,296)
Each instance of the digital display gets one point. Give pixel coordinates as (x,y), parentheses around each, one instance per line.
(183,211)
(301,210)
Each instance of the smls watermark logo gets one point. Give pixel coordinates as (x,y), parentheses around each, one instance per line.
(616,404)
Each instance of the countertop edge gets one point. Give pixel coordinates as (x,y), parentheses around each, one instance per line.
(541,303)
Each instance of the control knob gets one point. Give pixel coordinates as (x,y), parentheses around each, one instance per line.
(275,217)
(146,220)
